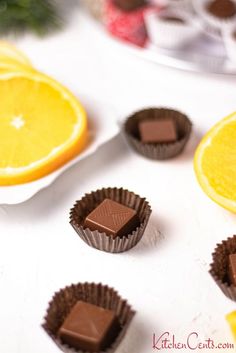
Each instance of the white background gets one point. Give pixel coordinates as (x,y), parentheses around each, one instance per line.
(165,277)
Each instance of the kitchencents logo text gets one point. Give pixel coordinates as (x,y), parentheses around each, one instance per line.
(192,342)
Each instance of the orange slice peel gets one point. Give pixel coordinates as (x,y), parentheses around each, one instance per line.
(215,163)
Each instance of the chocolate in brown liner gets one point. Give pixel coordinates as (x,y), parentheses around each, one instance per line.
(102,241)
(160,151)
(219,266)
(97,294)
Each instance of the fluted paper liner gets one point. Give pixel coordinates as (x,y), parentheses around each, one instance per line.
(160,151)
(97,294)
(102,241)
(220,264)
(169,34)
(230,43)
(184,5)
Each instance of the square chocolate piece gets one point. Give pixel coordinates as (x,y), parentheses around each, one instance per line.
(89,327)
(158,131)
(232,269)
(112,218)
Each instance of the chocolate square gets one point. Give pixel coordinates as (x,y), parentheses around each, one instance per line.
(89,327)
(112,218)
(158,131)
(232,269)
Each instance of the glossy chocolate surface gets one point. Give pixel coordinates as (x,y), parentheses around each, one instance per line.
(112,218)
(89,327)
(158,131)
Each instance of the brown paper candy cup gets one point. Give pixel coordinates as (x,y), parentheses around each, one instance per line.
(97,294)
(220,264)
(160,151)
(102,241)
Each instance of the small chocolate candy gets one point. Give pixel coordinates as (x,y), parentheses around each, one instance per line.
(222,8)
(89,327)
(158,131)
(232,269)
(112,218)
(130,5)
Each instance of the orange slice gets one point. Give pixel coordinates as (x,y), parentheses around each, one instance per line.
(11,65)
(231,318)
(215,163)
(12,59)
(8,50)
(42,126)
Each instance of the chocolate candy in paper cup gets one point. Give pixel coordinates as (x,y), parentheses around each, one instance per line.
(110,219)
(161,150)
(218,14)
(171,28)
(219,268)
(87,317)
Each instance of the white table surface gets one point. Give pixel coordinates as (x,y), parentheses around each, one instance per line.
(165,277)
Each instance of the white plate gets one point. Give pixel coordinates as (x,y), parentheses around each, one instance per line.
(102,127)
(188,60)
(206,54)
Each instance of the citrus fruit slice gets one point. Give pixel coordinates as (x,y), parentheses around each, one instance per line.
(231,318)
(215,163)
(8,50)
(10,65)
(42,126)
